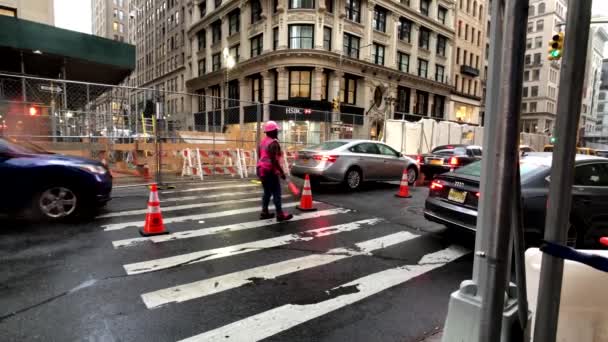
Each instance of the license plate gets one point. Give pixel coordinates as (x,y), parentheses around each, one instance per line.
(305,161)
(436,162)
(457,196)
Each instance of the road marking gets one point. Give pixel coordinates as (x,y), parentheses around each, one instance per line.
(186,234)
(228,251)
(182,207)
(183,218)
(277,320)
(223,194)
(202,288)
(231,186)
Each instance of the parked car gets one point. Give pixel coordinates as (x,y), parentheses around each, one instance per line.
(447,157)
(43,185)
(453,198)
(526,149)
(601,153)
(353,162)
(579,150)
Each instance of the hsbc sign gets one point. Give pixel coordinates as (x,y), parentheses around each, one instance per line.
(294,110)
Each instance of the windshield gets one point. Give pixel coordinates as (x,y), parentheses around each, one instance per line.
(328,145)
(526,169)
(21,147)
(449,151)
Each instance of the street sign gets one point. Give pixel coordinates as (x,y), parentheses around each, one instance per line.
(50,88)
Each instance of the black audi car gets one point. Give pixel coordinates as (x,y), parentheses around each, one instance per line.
(453,198)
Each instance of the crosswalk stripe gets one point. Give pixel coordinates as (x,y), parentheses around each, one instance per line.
(228,251)
(186,234)
(181,207)
(229,281)
(223,194)
(231,186)
(277,320)
(183,218)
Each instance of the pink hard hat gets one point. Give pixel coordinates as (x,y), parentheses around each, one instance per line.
(271,126)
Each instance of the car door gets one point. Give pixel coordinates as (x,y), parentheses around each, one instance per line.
(393,163)
(9,175)
(369,159)
(590,199)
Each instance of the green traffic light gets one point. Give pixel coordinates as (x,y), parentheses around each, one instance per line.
(555,53)
(552,140)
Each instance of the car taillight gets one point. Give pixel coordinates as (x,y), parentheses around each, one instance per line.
(325,158)
(454,161)
(419,160)
(477,194)
(436,185)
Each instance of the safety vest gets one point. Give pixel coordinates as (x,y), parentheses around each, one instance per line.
(265,162)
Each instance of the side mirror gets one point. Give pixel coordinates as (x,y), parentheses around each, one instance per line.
(401,155)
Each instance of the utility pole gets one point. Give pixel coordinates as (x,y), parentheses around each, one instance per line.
(562,172)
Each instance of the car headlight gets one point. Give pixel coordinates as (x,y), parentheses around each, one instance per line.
(97,169)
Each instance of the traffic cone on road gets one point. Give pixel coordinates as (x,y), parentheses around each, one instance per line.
(404,188)
(306,199)
(154,219)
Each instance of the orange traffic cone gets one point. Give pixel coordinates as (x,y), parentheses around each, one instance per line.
(154,219)
(306,199)
(404,189)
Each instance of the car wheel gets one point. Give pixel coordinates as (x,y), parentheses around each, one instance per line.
(353,179)
(412,175)
(56,203)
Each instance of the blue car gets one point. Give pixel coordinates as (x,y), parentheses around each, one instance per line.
(40,185)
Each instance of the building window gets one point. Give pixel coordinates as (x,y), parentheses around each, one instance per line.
(216,61)
(534,91)
(540,25)
(121,28)
(233,93)
(528,59)
(524,92)
(442,14)
(439,73)
(535,75)
(256,11)
(115,13)
(524,107)
(379,22)
(275,38)
(531,11)
(353,10)
(299,83)
(422,99)
(202,103)
(405,2)
(218,3)
(439,107)
(115,26)
(202,67)
(457,55)
(537,58)
(424,7)
(602,95)
(532,107)
(256,45)
(541,8)
(324,89)
(405,29)
(378,54)
(216,96)
(202,39)
(327,38)
(351,45)
(530,27)
(216,31)
(257,89)
(403,100)
(301,36)
(234,22)
(403,60)
(8,12)
(329,6)
(275,6)
(423,38)
(202,8)
(423,66)
(235,52)
(475,8)
(526,75)
(348,90)
(441,43)
(301,4)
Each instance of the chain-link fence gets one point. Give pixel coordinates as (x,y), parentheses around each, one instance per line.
(160,135)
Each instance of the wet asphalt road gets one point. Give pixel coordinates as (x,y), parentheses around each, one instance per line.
(365,267)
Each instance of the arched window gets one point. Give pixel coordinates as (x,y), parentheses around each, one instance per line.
(480,11)
(541,8)
(531,11)
(474,8)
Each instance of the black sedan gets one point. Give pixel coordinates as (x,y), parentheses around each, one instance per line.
(46,186)
(447,157)
(453,198)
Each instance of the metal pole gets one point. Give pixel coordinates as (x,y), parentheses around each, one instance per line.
(258,126)
(501,182)
(562,171)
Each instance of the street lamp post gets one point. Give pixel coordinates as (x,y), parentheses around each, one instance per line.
(230,63)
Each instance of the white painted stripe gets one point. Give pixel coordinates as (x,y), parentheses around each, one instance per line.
(233,280)
(228,251)
(186,234)
(223,194)
(183,207)
(277,320)
(230,186)
(183,218)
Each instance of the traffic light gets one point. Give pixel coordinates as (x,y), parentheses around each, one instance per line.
(552,140)
(556,46)
(34,111)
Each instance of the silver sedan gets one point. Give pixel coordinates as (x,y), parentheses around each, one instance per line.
(353,162)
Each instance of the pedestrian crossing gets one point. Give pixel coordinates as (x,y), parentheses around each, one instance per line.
(207,229)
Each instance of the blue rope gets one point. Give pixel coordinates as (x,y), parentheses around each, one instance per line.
(567,253)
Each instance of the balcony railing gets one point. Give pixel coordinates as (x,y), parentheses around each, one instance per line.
(468,70)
